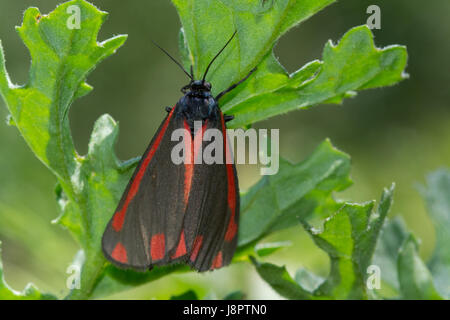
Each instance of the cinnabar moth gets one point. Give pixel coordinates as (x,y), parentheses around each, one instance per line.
(185,213)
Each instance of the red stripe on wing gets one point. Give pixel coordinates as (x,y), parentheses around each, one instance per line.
(191,156)
(188,162)
(232,225)
(118,220)
(119,217)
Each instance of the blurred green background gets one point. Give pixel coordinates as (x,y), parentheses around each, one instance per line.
(392,134)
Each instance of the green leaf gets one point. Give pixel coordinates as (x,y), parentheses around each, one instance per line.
(99,185)
(90,186)
(403,271)
(61,60)
(276,201)
(280,280)
(393,234)
(416,282)
(257,33)
(437,196)
(354,64)
(29,293)
(349,238)
(265,249)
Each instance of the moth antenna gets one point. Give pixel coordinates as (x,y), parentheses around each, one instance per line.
(218,54)
(174,60)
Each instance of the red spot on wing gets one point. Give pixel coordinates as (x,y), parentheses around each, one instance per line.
(119,217)
(197,245)
(217,262)
(157,246)
(119,253)
(232,225)
(181,248)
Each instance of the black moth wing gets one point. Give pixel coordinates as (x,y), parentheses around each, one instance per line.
(153,217)
(172,213)
(212,212)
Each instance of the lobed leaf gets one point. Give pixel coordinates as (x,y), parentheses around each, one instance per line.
(88,187)
(416,282)
(354,64)
(61,60)
(280,280)
(403,271)
(259,26)
(392,236)
(275,202)
(349,237)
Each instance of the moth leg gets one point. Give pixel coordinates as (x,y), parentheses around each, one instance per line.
(228,117)
(235,85)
